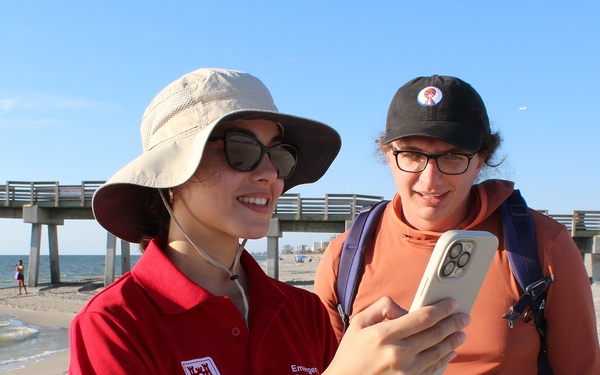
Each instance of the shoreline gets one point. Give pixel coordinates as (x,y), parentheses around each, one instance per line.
(56,305)
(52,306)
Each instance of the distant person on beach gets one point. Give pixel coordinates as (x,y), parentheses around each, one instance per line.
(436,143)
(20,271)
(217,156)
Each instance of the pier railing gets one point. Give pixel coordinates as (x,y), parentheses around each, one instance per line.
(580,222)
(16,194)
(331,205)
(47,193)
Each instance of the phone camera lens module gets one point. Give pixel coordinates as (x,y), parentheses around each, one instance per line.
(463,260)
(448,269)
(456,250)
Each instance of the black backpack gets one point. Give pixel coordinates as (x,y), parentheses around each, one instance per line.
(519,237)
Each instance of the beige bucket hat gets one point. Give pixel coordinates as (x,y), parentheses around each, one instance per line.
(175,128)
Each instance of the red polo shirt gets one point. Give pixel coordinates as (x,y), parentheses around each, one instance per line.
(154,320)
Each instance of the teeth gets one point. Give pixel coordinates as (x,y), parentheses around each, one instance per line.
(431,195)
(258,201)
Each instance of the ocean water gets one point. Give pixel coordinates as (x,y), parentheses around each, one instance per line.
(72,267)
(22,344)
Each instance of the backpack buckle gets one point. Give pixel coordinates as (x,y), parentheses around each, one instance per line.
(344,316)
(512,316)
(537,288)
(532,293)
(518,210)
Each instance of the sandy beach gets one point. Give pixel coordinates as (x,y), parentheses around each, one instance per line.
(55,306)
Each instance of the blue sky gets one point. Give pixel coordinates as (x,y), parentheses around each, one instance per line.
(75,78)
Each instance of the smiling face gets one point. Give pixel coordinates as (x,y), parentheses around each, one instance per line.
(220,203)
(432,200)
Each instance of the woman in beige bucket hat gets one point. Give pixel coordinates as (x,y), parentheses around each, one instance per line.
(196,302)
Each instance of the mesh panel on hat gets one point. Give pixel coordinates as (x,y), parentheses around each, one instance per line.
(163,112)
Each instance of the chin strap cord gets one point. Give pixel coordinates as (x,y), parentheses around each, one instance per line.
(233,276)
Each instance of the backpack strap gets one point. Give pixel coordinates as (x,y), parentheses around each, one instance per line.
(520,241)
(351,258)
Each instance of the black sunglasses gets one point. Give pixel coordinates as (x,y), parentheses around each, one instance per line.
(245,152)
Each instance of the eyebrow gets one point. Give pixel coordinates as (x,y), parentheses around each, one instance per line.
(410,147)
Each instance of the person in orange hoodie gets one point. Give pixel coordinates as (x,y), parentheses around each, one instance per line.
(436,143)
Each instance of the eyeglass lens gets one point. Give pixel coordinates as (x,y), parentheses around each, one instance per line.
(244,153)
(451,163)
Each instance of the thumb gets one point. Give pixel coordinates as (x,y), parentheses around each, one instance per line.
(383,309)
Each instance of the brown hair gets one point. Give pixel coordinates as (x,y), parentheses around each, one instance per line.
(156,219)
(490,142)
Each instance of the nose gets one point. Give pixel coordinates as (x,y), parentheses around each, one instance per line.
(431,173)
(266,170)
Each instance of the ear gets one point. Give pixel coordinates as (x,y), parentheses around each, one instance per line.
(479,161)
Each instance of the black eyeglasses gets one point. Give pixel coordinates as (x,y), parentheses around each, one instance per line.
(450,163)
(244,153)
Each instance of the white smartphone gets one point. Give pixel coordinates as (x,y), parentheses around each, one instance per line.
(456,269)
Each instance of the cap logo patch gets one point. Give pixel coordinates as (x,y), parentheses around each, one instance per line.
(429,96)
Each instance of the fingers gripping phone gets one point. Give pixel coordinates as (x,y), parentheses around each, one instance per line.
(456,269)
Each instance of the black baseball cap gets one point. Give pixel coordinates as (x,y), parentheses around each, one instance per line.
(440,107)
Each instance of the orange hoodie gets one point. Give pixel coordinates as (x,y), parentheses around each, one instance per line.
(395,262)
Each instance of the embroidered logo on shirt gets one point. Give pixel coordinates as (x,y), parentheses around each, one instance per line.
(429,96)
(298,370)
(200,366)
